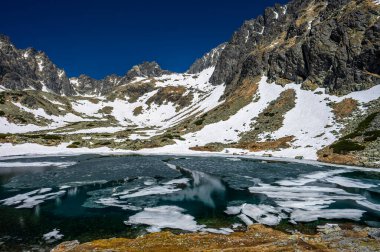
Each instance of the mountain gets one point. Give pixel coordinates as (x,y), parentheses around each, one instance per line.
(330,44)
(300,81)
(210,59)
(29,69)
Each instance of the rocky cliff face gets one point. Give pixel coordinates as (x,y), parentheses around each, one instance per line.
(146,69)
(210,59)
(333,44)
(29,69)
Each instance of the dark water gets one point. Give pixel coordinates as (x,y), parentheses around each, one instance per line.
(91,196)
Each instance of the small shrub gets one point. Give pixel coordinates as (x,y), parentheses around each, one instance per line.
(52,137)
(74,145)
(4,135)
(366,122)
(199,122)
(344,146)
(105,143)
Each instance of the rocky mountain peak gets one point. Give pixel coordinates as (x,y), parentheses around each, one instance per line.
(30,69)
(334,44)
(146,69)
(208,60)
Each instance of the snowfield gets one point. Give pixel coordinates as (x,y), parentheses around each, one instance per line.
(311,121)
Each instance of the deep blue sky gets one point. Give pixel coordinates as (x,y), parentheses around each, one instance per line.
(109,36)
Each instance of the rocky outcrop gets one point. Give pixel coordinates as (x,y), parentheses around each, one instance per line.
(87,85)
(30,69)
(146,69)
(333,44)
(208,60)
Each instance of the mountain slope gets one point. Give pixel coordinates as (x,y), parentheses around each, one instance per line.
(300,81)
(331,44)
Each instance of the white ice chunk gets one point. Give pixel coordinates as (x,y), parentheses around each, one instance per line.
(155,190)
(53,236)
(165,217)
(369,204)
(349,182)
(307,216)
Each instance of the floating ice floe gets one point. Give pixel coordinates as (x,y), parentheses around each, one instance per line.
(349,182)
(308,216)
(369,205)
(117,203)
(225,231)
(308,178)
(165,217)
(304,200)
(53,236)
(177,181)
(263,214)
(172,217)
(32,199)
(151,191)
(120,198)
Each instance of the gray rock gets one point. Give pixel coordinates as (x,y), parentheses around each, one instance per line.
(146,69)
(87,85)
(338,48)
(208,60)
(21,69)
(374,234)
(328,228)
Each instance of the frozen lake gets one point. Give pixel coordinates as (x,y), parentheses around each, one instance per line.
(46,200)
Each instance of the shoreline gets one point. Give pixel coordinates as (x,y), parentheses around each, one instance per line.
(257,237)
(61,150)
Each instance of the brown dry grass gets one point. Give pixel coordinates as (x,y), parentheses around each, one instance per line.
(344,108)
(280,143)
(204,148)
(251,146)
(328,156)
(258,238)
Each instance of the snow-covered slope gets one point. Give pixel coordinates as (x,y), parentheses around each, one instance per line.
(311,121)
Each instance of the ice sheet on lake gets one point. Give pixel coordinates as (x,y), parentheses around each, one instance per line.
(36,164)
